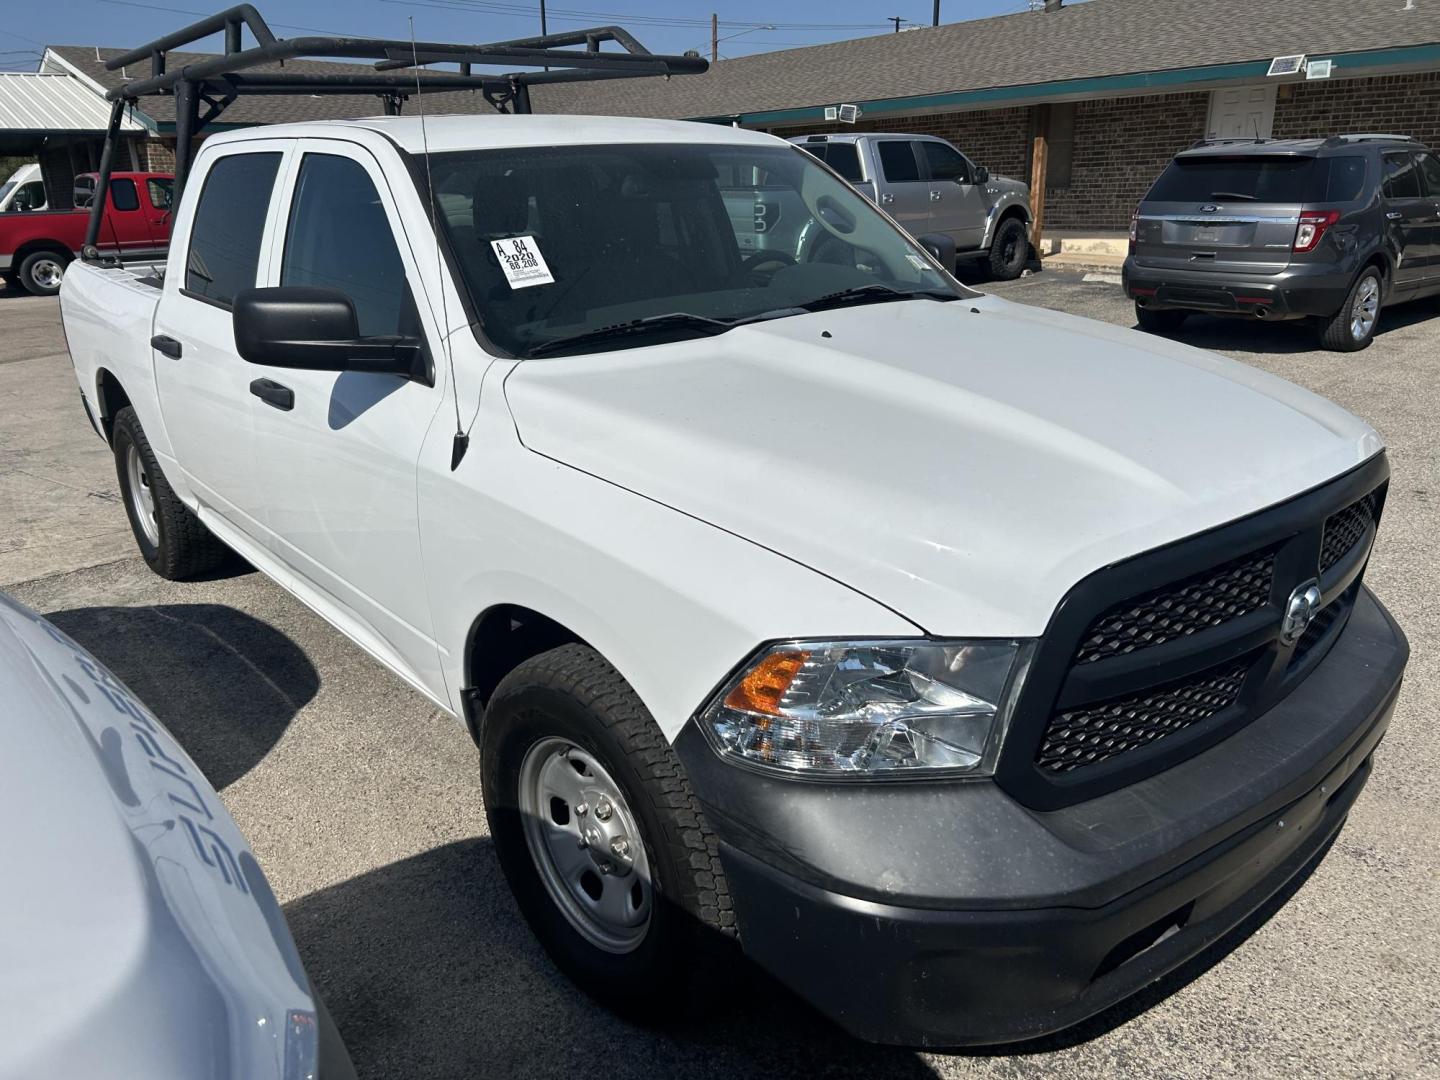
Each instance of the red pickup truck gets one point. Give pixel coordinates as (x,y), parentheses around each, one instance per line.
(35,246)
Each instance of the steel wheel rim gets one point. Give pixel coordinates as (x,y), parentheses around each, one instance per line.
(47,273)
(577,823)
(142,495)
(1366,308)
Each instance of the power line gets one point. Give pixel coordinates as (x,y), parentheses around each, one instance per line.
(500,7)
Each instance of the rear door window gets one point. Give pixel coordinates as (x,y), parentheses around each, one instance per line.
(123,195)
(224,250)
(843,157)
(1268,179)
(1402,178)
(897,161)
(1430,172)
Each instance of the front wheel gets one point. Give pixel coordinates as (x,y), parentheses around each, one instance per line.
(1162,321)
(1353,327)
(1009,251)
(601,839)
(41,272)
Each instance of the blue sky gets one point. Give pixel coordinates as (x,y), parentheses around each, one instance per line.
(663,26)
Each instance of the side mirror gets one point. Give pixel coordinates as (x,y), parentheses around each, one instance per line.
(940,246)
(982,174)
(315,329)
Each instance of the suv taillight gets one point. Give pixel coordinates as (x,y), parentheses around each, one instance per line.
(1313,224)
(1134,229)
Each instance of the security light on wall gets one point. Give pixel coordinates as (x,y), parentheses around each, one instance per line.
(1287,65)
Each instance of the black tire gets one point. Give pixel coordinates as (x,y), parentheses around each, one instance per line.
(1337,333)
(1162,321)
(39,272)
(1009,250)
(571,693)
(181,546)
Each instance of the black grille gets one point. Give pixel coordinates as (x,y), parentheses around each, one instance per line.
(1197,603)
(1094,733)
(1344,529)
(1156,658)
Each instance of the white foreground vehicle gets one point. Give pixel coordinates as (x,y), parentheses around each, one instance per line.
(971,664)
(140,937)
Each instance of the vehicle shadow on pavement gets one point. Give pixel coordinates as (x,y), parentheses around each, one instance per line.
(225,684)
(1255,336)
(430,972)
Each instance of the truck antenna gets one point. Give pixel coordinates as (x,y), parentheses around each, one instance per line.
(461,442)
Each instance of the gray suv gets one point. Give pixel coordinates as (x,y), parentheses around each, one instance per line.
(929,188)
(1323,229)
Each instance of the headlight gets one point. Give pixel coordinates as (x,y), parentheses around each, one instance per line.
(869,708)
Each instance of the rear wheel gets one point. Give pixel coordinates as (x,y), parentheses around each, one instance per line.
(172,540)
(1009,251)
(1353,327)
(601,839)
(41,272)
(1162,321)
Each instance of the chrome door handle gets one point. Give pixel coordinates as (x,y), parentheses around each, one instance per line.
(935,196)
(887,198)
(1394,215)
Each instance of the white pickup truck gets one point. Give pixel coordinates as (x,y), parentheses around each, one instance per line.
(970,665)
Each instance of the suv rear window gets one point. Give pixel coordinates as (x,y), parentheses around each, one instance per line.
(1253,179)
(843,157)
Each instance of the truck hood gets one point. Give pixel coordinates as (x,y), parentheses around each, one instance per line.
(140,937)
(963,463)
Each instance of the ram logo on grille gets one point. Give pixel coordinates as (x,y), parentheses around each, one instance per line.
(1300,611)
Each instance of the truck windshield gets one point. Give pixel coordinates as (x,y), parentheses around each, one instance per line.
(595,243)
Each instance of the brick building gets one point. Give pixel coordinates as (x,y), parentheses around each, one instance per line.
(1120,86)
(1117,86)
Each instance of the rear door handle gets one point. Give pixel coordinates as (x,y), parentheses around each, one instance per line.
(935,196)
(167,345)
(887,198)
(272,393)
(1394,215)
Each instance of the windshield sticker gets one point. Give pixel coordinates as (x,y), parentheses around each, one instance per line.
(918,263)
(522,262)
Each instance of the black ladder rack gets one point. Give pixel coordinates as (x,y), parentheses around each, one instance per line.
(217,81)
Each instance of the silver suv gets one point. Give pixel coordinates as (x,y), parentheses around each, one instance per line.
(1321,229)
(930,187)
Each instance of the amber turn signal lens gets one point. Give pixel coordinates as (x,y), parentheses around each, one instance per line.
(762,688)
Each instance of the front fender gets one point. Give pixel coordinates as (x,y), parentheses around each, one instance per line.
(1003,202)
(672,602)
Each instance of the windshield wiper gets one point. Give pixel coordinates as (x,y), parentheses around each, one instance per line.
(676,320)
(874,293)
(1233,195)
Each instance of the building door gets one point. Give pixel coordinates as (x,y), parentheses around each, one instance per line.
(1244,112)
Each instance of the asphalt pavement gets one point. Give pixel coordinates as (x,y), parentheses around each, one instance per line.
(362,801)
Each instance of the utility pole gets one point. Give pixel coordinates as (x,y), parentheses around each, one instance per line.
(714,37)
(897,20)
(936,20)
(544,31)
